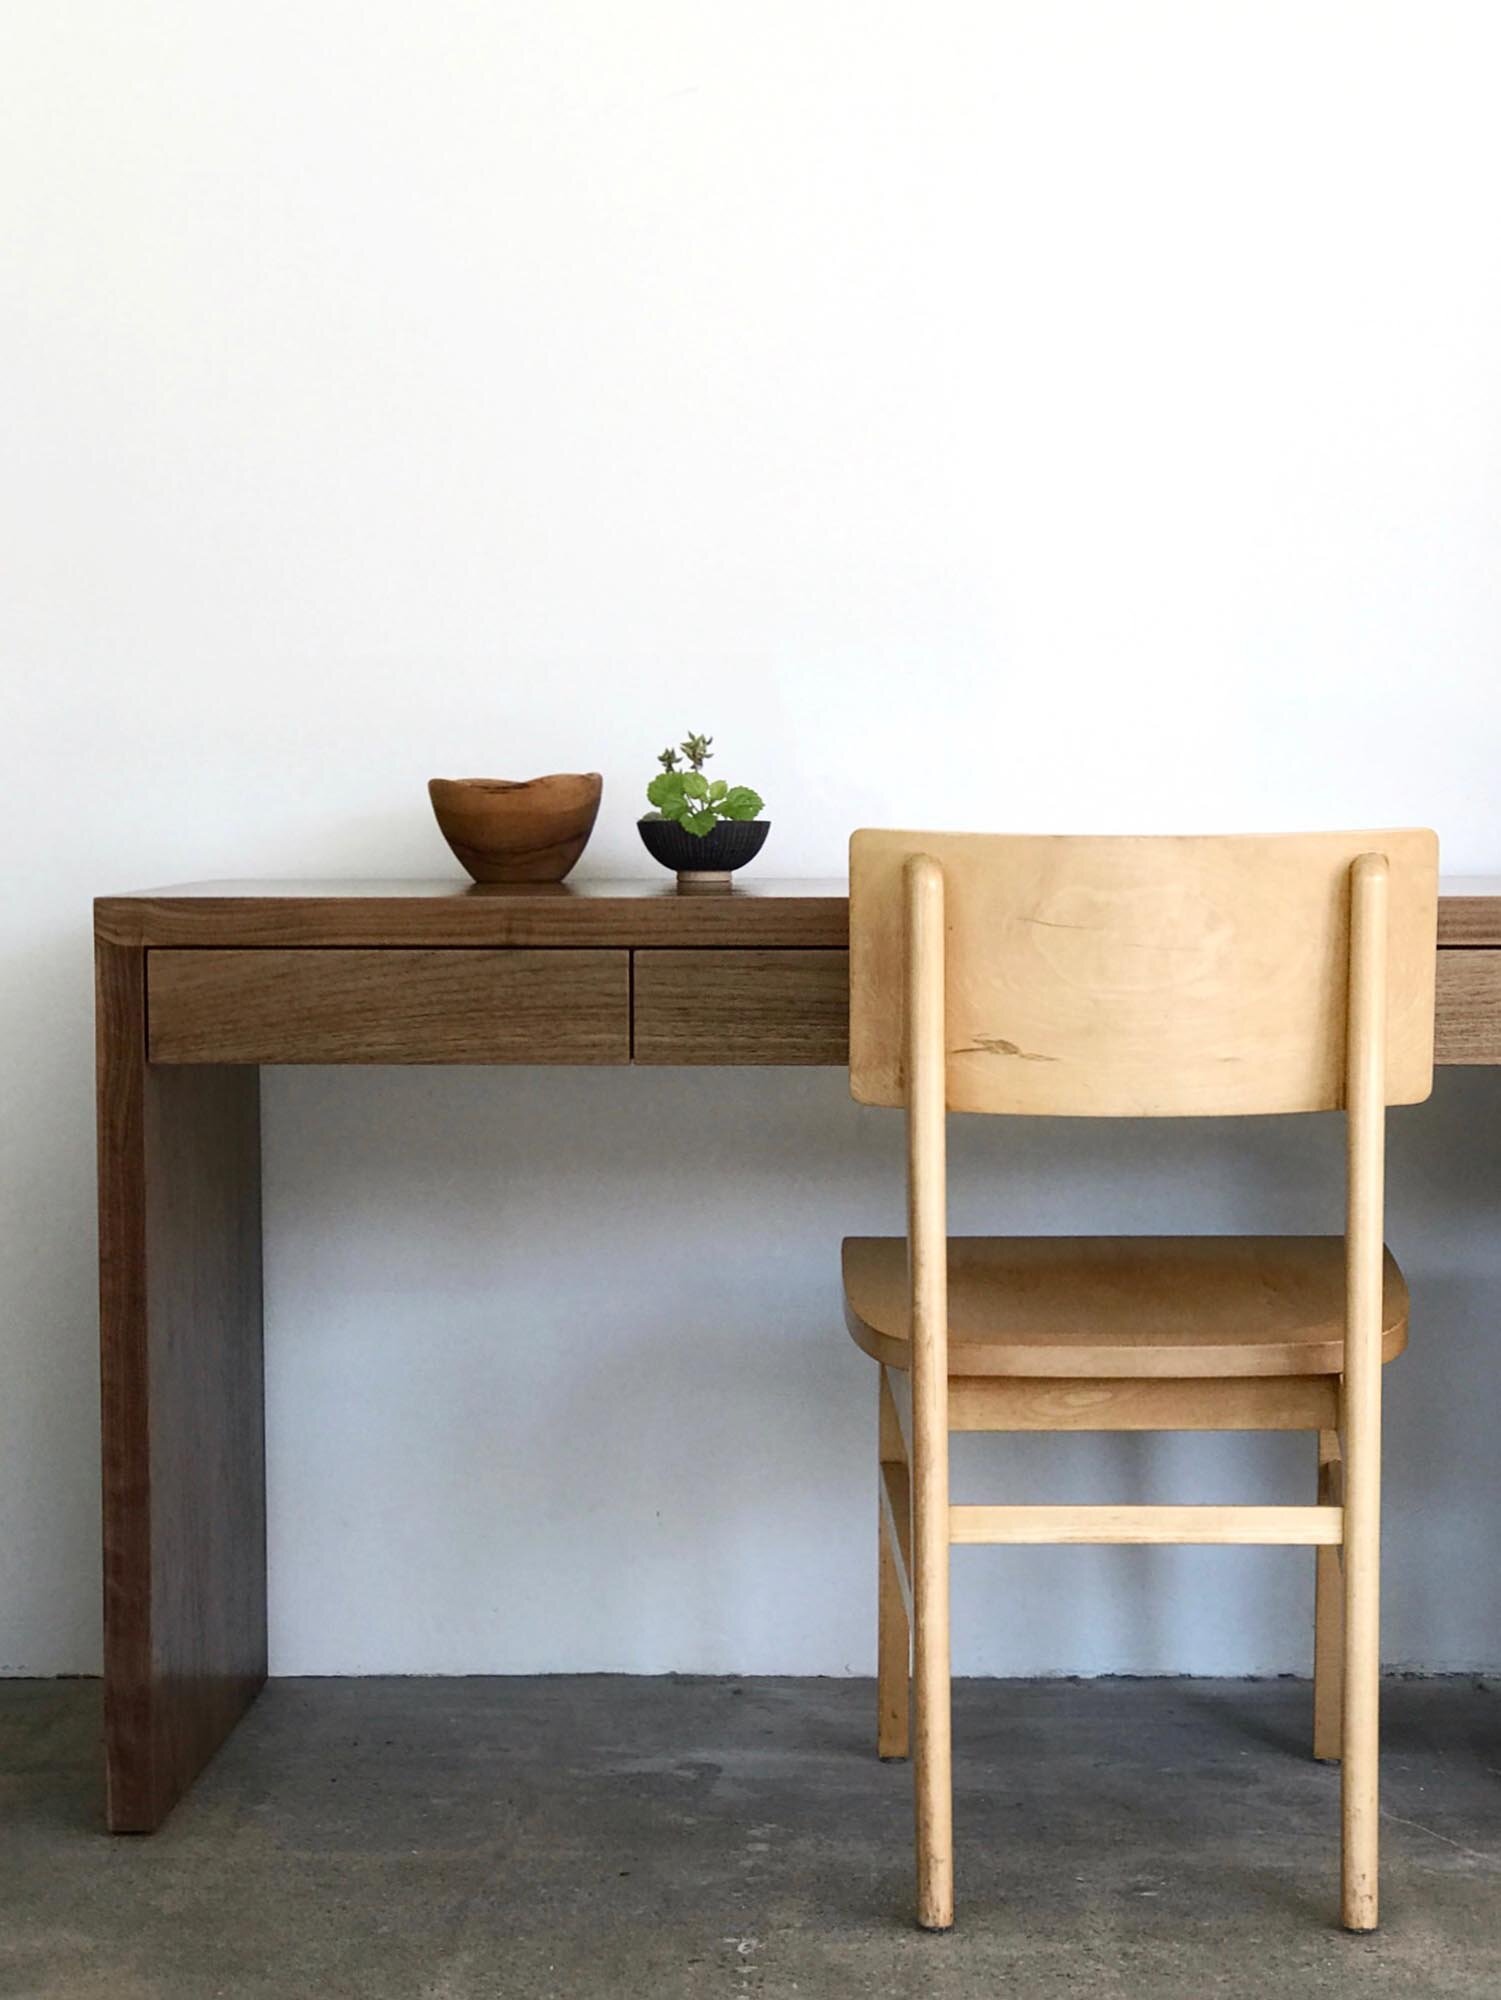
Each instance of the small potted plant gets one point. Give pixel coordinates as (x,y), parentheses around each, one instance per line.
(700,826)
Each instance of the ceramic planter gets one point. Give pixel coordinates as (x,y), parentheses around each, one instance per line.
(704,857)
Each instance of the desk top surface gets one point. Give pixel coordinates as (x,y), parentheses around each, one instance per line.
(633,911)
(641,911)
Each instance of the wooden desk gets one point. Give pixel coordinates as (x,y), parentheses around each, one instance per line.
(200,985)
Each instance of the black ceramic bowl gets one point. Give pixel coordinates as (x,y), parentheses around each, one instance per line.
(732,843)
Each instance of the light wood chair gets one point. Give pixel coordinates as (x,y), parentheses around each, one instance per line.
(1128,977)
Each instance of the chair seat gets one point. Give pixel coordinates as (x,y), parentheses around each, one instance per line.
(1119,1306)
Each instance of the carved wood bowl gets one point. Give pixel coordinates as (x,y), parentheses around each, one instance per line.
(517,829)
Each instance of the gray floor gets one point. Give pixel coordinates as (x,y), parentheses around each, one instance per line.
(438,1840)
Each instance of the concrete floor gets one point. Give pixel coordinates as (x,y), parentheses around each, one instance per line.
(583,1837)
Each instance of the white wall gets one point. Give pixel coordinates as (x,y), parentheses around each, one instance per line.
(1045,415)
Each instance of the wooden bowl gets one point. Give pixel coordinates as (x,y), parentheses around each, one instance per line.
(517,830)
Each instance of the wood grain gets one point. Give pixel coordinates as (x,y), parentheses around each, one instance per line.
(181,1404)
(645,914)
(1149,1526)
(389,1006)
(1469,910)
(517,829)
(1328,1611)
(587,915)
(896,1520)
(632,910)
(1189,1403)
(893,1582)
(747,1006)
(1143,977)
(1469,1007)
(1123,1306)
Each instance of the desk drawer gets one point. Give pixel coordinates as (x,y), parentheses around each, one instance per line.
(385,1006)
(742,1007)
(1468,1027)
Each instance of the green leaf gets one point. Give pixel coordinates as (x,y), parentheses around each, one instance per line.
(741,803)
(717,791)
(676,809)
(662,791)
(696,785)
(699,823)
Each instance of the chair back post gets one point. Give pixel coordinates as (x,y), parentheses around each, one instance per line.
(1365,1232)
(927,1250)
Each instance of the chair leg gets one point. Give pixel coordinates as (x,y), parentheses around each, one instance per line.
(1328,1617)
(933,1747)
(1360,1740)
(893,1674)
(894,1640)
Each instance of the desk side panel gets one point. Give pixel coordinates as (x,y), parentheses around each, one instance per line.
(182,1405)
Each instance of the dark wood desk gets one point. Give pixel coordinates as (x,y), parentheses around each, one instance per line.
(198,986)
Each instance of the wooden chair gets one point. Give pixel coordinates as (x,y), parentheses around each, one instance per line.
(1152,977)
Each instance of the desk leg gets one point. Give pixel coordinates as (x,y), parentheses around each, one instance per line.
(182,1404)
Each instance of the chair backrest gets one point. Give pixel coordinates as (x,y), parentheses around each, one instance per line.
(1142,976)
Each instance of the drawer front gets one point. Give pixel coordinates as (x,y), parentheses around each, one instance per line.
(385,1006)
(742,1007)
(1468,1027)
